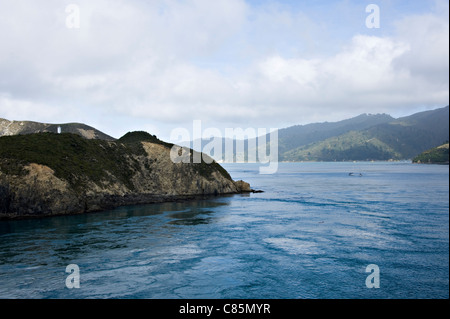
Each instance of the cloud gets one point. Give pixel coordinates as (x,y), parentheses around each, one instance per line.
(229,62)
(428,37)
(17,109)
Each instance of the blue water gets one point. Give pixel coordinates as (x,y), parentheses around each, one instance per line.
(311,234)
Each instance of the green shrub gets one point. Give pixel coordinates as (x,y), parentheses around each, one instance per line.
(72,157)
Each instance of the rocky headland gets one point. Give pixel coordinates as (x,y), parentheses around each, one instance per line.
(45,174)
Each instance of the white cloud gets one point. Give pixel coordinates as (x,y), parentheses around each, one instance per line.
(18,109)
(169,62)
(428,37)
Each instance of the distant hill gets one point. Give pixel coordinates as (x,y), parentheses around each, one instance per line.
(401,138)
(436,155)
(301,135)
(8,128)
(362,138)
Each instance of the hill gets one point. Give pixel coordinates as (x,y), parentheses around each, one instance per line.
(362,138)
(354,145)
(436,155)
(301,135)
(398,139)
(293,139)
(45,174)
(8,128)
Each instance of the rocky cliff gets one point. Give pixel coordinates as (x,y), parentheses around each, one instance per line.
(51,174)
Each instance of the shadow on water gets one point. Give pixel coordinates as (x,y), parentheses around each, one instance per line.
(192,217)
(59,240)
(182,211)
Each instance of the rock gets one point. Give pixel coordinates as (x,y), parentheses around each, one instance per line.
(5,198)
(257,191)
(243,187)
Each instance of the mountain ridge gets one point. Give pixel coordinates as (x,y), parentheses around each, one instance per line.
(299,135)
(365,137)
(8,128)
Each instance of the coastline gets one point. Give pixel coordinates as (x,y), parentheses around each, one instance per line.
(109,202)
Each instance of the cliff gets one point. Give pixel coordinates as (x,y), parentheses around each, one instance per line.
(52,174)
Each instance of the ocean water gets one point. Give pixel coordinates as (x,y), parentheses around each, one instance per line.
(311,234)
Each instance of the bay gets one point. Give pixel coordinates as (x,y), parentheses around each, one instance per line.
(310,234)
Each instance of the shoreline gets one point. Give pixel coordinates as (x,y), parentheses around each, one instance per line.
(111,202)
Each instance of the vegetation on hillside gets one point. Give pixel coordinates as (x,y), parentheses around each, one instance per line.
(364,138)
(141,136)
(374,139)
(436,155)
(301,135)
(350,146)
(71,156)
(78,160)
(203,169)
(30,127)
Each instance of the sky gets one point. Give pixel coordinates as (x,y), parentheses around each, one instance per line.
(158,65)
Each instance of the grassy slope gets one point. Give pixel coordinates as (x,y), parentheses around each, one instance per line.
(72,157)
(78,160)
(399,139)
(350,146)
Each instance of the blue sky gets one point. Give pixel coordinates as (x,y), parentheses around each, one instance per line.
(158,65)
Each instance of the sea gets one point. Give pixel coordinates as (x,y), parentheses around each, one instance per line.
(347,230)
